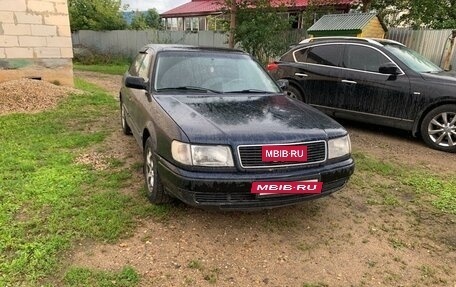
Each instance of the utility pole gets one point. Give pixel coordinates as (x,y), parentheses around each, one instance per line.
(232,23)
(448,54)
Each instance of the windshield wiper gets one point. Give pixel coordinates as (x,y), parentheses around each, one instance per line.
(189,88)
(250,91)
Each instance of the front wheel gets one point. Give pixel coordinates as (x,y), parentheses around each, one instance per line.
(294,93)
(123,120)
(154,187)
(438,128)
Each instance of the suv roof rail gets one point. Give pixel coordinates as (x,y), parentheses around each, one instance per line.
(375,41)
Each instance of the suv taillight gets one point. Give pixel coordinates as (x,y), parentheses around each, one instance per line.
(272,66)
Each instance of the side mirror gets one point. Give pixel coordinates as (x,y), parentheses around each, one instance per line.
(135,83)
(389,69)
(283,84)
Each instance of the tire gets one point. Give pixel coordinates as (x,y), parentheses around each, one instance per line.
(438,128)
(154,188)
(123,120)
(294,93)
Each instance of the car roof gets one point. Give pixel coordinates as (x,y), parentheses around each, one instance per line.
(178,47)
(338,39)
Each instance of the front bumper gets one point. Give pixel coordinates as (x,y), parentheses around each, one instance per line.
(231,190)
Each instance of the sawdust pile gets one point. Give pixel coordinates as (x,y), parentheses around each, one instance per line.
(30,96)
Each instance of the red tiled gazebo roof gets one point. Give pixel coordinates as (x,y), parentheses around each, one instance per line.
(208,7)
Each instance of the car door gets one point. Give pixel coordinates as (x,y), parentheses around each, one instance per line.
(317,73)
(130,94)
(365,90)
(140,99)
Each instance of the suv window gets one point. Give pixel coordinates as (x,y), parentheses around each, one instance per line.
(364,58)
(328,55)
(301,55)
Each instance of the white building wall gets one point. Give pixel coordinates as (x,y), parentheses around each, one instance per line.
(35,40)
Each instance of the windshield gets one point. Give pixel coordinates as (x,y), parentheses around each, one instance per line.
(413,59)
(211,72)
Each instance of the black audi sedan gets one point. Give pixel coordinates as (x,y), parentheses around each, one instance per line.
(375,81)
(217,131)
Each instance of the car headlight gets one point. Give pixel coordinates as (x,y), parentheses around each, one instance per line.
(202,155)
(339,147)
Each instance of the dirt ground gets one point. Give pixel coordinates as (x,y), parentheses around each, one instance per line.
(339,240)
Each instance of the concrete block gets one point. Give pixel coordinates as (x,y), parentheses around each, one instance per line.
(61,42)
(61,8)
(32,41)
(66,52)
(45,52)
(6,17)
(13,5)
(64,31)
(57,20)
(62,74)
(40,6)
(9,41)
(44,30)
(19,29)
(19,53)
(27,18)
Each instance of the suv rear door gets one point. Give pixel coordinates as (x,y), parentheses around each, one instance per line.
(317,73)
(366,90)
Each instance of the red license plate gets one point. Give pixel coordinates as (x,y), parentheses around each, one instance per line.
(264,188)
(286,153)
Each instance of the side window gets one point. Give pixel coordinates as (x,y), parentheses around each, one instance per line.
(301,55)
(364,58)
(328,55)
(144,66)
(134,68)
(288,57)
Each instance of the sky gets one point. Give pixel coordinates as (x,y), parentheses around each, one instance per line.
(160,5)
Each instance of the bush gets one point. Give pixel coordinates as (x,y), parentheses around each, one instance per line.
(85,56)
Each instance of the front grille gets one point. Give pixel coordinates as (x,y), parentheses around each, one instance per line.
(250,155)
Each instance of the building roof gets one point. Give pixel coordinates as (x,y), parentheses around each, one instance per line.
(207,7)
(343,22)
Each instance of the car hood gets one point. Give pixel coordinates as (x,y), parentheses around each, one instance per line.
(247,119)
(447,77)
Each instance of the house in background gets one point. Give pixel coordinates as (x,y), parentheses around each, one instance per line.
(354,24)
(201,15)
(35,41)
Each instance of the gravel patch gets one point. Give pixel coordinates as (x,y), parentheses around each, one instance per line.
(30,96)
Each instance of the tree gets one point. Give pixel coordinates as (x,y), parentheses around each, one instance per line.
(258,27)
(139,22)
(153,19)
(146,20)
(96,15)
(436,14)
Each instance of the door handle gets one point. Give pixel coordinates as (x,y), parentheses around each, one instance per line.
(349,82)
(301,75)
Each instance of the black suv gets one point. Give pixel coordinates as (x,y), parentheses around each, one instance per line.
(217,131)
(376,81)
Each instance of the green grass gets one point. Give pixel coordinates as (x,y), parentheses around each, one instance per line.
(82,277)
(390,181)
(48,201)
(195,264)
(112,69)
